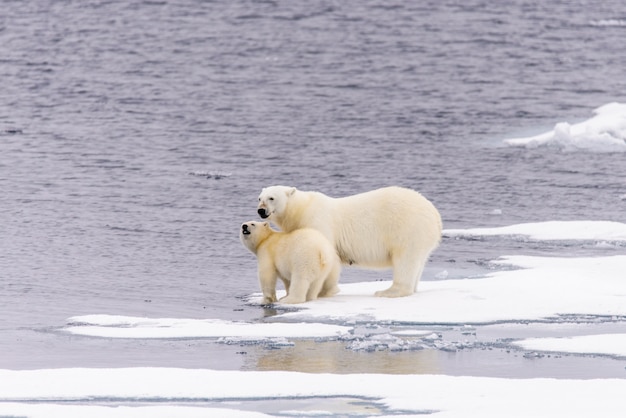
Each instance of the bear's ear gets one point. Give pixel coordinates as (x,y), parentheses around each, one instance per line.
(291,191)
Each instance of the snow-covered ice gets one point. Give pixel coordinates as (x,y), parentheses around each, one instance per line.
(585,286)
(607,344)
(73,392)
(114,326)
(552,231)
(604,132)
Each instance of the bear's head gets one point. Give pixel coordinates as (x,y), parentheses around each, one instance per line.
(273,200)
(252,233)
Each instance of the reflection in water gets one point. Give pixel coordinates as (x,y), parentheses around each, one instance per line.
(314,406)
(333,357)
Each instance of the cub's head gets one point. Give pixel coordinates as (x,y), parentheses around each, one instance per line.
(273,200)
(253,233)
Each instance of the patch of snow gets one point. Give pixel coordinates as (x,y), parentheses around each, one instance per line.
(113,326)
(606,344)
(552,231)
(604,132)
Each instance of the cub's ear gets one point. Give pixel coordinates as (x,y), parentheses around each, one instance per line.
(291,191)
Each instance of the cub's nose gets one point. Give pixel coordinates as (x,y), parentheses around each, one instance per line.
(244,229)
(262,213)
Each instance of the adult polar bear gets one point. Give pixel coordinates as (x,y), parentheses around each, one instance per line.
(389,227)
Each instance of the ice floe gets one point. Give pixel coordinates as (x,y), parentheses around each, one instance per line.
(552,231)
(113,326)
(604,132)
(607,344)
(540,288)
(139,392)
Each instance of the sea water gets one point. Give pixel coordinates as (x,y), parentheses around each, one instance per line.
(136,136)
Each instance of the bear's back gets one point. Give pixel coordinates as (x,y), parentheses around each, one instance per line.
(303,240)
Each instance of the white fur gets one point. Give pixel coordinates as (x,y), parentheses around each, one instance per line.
(389,227)
(304,260)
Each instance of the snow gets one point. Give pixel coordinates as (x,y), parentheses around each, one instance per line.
(607,344)
(552,231)
(66,392)
(604,132)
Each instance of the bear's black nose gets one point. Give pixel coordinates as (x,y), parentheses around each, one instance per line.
(244,229)
(262,213)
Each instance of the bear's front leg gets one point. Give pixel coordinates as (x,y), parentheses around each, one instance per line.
(269,292)
(267,280)
(268,300)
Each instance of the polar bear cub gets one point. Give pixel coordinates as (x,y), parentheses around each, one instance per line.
(389,227)
(303,259)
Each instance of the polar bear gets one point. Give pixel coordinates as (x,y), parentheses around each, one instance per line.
(304,260)
(389,227)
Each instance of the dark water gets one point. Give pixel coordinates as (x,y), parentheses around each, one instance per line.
(112,111)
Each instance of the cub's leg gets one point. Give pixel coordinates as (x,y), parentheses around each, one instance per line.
(315,287)
(267,281)
(298,290)
(330,288)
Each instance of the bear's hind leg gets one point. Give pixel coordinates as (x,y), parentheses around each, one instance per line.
(406,274)
(315,288)
(298,289)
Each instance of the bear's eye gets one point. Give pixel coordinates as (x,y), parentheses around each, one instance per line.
(271,198)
